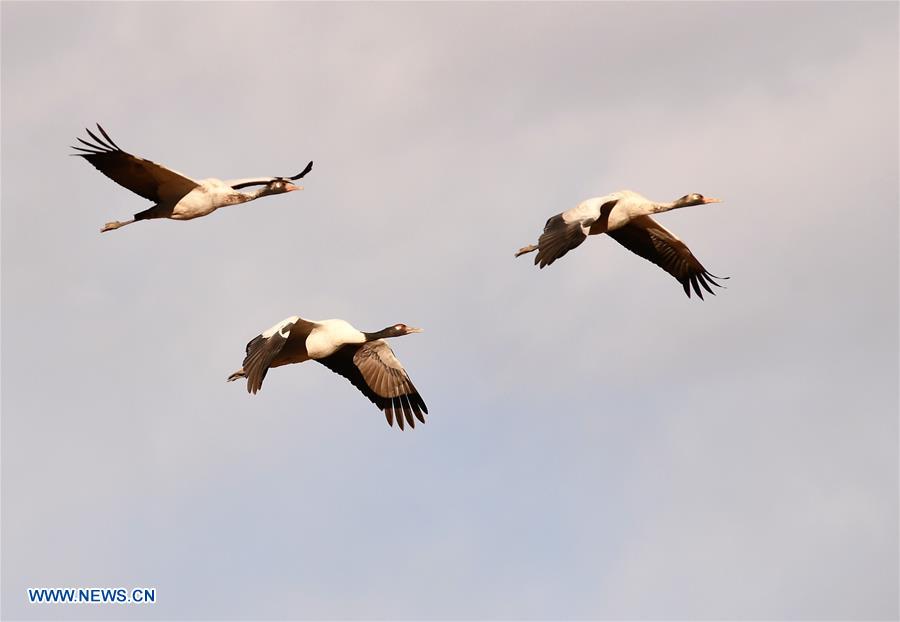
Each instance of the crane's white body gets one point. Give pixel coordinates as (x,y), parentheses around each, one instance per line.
(207,197)
(629,205)
(329,335)
(325,338)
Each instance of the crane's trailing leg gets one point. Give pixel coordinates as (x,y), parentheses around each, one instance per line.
(115,225)
(526,249)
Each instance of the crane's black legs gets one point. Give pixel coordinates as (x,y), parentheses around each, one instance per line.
(154,211)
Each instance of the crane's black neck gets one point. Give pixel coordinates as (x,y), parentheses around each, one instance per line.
(381,334)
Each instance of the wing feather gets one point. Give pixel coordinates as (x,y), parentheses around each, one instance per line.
(374,370)
(558,238)
(246,182)
(143,177)
(261,351)
(646,238)
(569,229)
(237,184)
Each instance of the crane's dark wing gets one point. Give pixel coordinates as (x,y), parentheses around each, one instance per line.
(148,179)
(558,238)
(376,372)
(302,173)
(568,230)
(237,184)
(261,351)
(645,237)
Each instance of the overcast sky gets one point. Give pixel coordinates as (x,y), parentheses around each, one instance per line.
(599,446)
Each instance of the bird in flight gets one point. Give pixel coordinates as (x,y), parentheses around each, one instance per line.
(625,216)
(364,359)
(174,195)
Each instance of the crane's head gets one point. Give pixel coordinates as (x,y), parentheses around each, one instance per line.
(695,199)
(398,330)
(280,185)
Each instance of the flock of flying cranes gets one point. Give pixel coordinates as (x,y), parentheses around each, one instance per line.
(365,359)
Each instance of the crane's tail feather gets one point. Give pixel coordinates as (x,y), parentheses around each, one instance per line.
(238,374)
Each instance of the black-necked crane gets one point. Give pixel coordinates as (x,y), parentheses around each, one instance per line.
(625,216)
(175,196)
(364,359)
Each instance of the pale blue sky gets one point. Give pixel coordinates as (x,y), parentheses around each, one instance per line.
(599,446)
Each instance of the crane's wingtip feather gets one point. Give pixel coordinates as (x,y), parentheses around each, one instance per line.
(99,140)
(302,173)
(106,136)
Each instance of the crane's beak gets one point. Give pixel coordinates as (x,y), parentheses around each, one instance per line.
(410,329)
(711,200)
(292,187)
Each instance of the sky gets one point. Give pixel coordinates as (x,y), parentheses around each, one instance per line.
(598,447)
